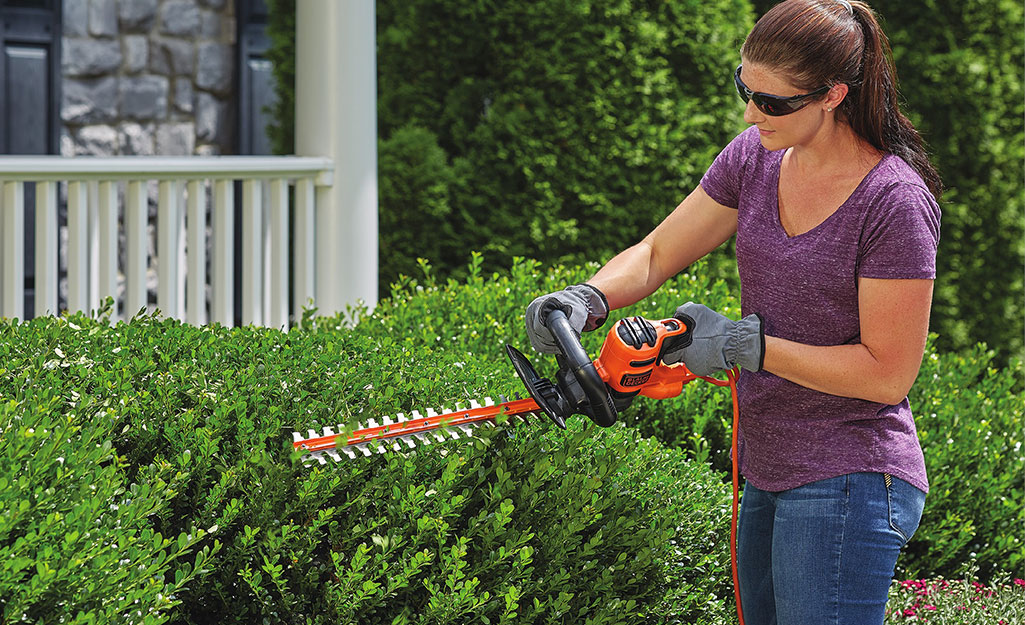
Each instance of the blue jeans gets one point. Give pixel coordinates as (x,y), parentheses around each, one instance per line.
(823,553)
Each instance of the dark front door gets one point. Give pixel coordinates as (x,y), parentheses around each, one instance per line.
(30,34)
(256,81)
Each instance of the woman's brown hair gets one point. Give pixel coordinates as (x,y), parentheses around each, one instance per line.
(829,42)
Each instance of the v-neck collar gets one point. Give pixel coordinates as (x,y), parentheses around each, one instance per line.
(779,221)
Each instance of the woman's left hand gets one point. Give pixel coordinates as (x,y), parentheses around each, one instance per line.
(718,342)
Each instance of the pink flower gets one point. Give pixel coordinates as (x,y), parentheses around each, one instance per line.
(1019,582)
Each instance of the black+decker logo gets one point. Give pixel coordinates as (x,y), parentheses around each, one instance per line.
(635,379)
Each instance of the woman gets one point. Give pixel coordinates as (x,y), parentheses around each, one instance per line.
(833,201)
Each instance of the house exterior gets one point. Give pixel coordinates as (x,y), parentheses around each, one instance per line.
(138,77)
(171,79)
(148,77)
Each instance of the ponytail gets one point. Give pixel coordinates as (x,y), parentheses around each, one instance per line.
(876,115)
(829,42)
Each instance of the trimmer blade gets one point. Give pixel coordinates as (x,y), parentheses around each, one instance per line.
(404,432)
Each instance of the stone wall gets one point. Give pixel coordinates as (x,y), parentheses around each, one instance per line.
(147,77)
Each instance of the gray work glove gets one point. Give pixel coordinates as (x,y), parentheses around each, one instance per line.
(585,307)
(719,343)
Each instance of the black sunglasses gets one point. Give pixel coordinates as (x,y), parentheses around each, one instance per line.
(774,105)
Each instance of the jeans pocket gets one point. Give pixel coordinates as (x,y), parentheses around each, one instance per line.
(905,506)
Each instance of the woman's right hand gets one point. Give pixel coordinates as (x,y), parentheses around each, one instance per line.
(585,307)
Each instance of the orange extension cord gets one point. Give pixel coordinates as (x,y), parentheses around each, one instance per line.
(731,381)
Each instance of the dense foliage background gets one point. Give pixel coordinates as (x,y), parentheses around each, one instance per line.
(563,130)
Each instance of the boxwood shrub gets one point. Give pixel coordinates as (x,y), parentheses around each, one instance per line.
(150,478)
(969,419)
(148,474)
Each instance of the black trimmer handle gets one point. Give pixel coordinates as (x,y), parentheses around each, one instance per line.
(599,405)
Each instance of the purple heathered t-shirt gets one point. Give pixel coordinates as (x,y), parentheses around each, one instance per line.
(806,289)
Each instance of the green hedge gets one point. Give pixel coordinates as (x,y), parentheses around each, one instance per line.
(571,127)
(149,478)
(148,473)
(77,538)
(969,416)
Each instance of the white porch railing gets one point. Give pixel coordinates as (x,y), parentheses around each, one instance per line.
(93,188)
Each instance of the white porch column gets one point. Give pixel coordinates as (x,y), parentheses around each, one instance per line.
(336,117)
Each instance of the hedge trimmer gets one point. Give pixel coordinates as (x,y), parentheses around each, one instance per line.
(629,364)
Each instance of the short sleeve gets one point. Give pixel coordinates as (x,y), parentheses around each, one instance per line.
(901,236)
(723,180)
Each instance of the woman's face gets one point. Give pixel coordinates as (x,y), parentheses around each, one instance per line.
(782,131)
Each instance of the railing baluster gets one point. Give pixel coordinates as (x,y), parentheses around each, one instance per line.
(6,247)
(252,253)
(265,255)
(323,235)
(46,249)
(168,209)
(179,255)
(14,251)
(279,254)
(196,249)
(222,282)
(304,286)
(106,207)
(78,246)
(136,260)
(92,246)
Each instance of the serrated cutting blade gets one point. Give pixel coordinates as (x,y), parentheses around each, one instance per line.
(402,432)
